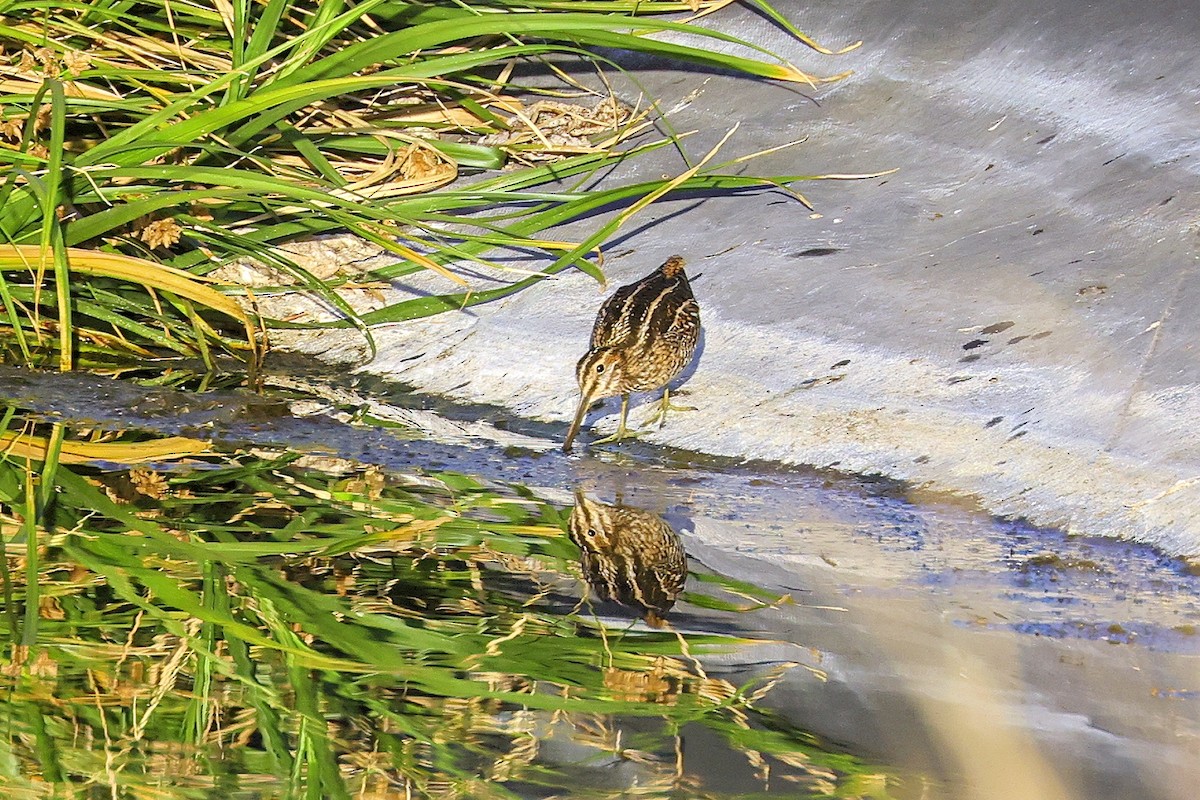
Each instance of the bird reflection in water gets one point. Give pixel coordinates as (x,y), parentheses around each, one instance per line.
(629,555)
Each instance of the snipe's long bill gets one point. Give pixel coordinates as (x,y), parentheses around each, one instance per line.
(645,335)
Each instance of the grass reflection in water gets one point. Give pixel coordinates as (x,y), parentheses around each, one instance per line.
(277,625)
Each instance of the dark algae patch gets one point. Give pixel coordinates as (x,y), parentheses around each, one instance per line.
(1056,562)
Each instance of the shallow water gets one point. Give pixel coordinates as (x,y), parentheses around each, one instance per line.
(969,656)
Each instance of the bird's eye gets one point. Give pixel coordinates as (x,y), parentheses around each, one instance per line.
(591,531)
(599,368)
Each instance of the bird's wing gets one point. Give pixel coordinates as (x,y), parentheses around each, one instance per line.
(612,321)
(656,305)
(675,314)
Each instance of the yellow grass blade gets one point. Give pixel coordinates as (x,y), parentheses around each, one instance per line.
(135,270)
(670,185)
(72,89)
(167,449)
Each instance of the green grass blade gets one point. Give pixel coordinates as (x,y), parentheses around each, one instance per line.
(588,29)
(29,528)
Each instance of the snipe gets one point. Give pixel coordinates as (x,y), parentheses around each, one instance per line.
(644,336)
(629,555)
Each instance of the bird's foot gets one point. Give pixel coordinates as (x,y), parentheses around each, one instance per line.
(660,413)
(619,434)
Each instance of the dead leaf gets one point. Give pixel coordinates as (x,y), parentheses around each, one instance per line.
(161,233)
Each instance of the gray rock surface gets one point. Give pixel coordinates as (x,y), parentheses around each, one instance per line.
(1010,316)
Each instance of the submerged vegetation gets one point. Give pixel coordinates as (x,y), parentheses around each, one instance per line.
(278,625)
(144,144)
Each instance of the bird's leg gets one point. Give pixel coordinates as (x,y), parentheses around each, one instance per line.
(665,405)
(622,431)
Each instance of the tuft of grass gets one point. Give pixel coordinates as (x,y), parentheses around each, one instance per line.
(189,134)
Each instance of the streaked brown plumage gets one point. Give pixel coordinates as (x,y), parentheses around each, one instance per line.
(644,336)
(629,555)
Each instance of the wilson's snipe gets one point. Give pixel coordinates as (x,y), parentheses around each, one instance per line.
(644,336)
(629,555)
